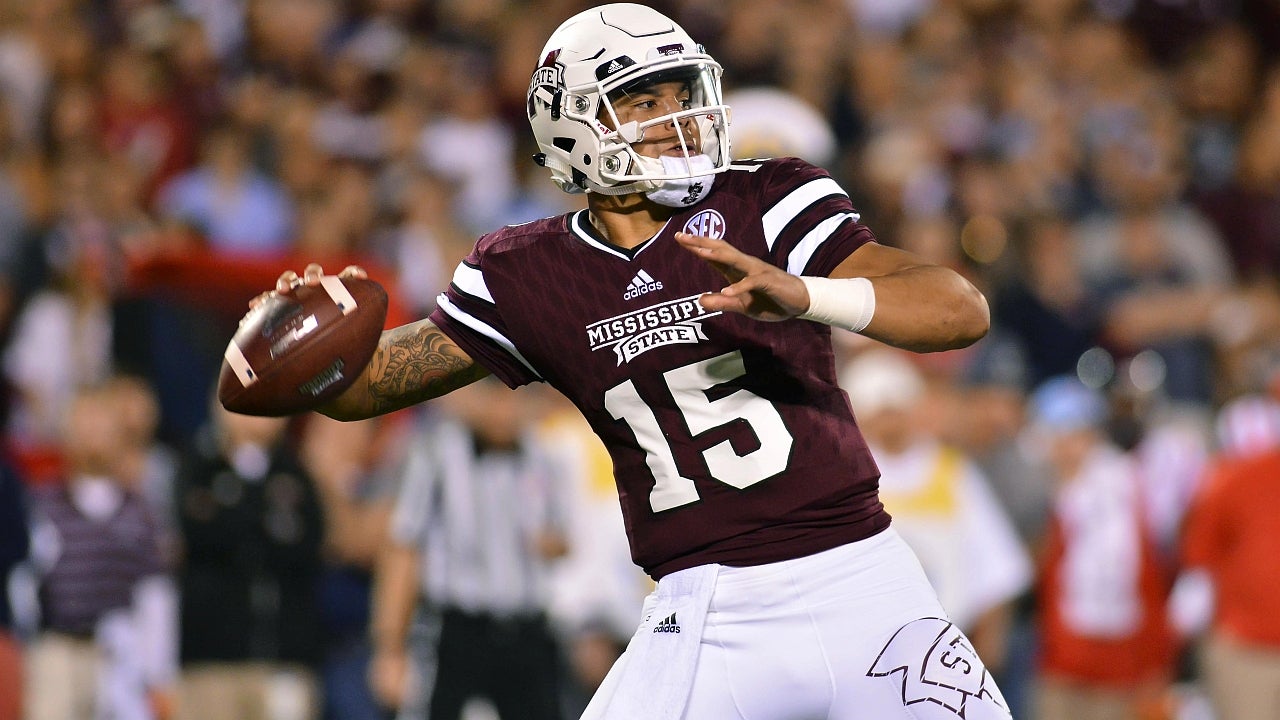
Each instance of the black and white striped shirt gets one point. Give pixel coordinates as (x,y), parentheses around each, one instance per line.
(91,566)
(475,516)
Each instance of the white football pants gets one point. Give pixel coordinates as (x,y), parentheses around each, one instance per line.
(853,633)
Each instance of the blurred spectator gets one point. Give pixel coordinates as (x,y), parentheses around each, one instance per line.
(198,78)
(426,238)
(402,119)
(1155,263)
(1215,81)
(523,30)
(107,643)
(252,529)
(1248,209)
(1047,310)
(348,126)
(1231,583)
(748,42)
(141,118)
(1158,286)
(481,512)
(889,17)
(15,214)
(223,24)
(940,501)
(903,171)
(19,205)
(14,541)
(985,418)
(228,203)
(24,70)
(987,414)
(148,466)
(1247,425)
(468,143)
(1166,28)
(339,221)
(351,464)
(74,122)
(287,39)
(1107,650)
(1169,442)
(768,122)
(72,313)
(1263,20)
(298,162)
(133,230)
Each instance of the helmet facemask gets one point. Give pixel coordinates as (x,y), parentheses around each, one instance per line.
(698,129)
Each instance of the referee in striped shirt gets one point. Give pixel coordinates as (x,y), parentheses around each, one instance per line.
(480,515)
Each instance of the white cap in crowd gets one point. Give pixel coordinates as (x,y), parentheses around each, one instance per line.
(1248,425)
(878,379)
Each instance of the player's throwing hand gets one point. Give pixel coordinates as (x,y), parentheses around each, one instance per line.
(310,276)
(758,289)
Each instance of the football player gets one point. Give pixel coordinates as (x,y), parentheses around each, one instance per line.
(687,313)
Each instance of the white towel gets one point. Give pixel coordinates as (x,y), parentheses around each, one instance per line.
(652,679)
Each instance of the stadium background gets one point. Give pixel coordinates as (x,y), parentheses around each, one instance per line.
(1107,171)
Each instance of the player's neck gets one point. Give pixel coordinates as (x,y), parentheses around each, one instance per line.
(626,220)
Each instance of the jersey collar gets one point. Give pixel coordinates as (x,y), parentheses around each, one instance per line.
(581,228)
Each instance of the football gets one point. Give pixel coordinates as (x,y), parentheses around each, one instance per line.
(303,347)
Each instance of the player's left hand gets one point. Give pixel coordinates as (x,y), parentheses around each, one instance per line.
(758,289)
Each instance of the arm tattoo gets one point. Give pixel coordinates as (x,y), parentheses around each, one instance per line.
(417,362)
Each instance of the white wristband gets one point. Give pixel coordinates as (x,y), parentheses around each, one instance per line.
(847,303)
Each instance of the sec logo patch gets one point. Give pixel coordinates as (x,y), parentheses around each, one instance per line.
(707,223)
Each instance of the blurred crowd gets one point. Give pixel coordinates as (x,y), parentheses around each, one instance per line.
(1093,487)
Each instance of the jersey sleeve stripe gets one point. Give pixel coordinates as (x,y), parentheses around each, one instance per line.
(468,296)
(471,321)
(471,281)
(803,252)
(794,203)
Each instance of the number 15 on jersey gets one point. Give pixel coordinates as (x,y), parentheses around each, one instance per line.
(689,385)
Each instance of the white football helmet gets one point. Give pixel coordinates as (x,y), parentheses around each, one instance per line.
(611,49)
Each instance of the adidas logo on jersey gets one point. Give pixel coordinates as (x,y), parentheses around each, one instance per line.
(641,284)
(667,625)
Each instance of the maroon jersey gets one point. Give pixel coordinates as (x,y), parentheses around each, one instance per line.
(731,441)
